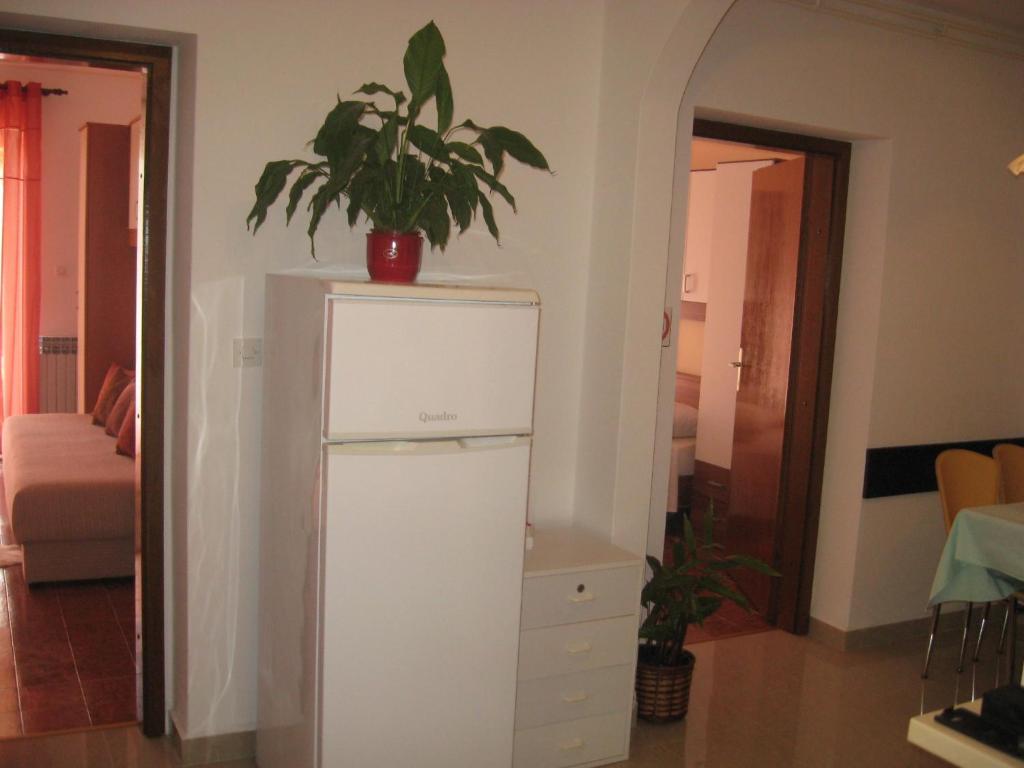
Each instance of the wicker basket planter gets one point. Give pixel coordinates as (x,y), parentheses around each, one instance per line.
(663,693)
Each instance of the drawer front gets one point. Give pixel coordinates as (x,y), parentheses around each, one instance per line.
(576,647)
(572,743)
(547,700)
(582,596)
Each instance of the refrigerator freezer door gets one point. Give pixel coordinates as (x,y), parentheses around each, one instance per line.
(421,368)
(422,581)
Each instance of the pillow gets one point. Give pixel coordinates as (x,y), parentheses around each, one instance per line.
(117,379)
(117,414)
(684,423)
(126,435)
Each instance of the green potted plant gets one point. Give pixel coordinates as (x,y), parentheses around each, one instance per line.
(404,177)
(686,592)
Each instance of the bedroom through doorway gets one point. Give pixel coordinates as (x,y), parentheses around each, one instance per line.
(752,353)
(711,310)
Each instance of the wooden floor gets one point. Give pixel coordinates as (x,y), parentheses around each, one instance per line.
(67,652)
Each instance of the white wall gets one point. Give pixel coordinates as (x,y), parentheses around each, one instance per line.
(96,96)
(260,95)
(649,52)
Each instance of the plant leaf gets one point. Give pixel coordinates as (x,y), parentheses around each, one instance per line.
(494,184)
(298,189)
(371,89)
(466,151)
(361,182)
(269,186)
(493,150)
(429,141)
(754,564)
(324,195)
(461,208)
(438,221)
(520,147)
(336,132)
(444,100)
(488,210)
(387,137)
(422,63)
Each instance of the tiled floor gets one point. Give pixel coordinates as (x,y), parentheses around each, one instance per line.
(67,653)
(767,700)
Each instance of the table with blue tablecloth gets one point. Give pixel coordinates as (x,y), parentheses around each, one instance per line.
(983,560)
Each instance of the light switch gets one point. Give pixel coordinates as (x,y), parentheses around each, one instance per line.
(248,353)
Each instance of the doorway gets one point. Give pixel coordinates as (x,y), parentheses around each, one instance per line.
(155,63)
(754,359)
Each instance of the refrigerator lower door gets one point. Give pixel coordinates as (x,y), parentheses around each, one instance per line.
(422,582)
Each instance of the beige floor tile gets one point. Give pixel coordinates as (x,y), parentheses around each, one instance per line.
(769,700)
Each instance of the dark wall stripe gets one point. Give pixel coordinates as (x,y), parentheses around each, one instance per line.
(911,468)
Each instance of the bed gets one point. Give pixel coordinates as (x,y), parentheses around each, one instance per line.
(684,439)
(70,498)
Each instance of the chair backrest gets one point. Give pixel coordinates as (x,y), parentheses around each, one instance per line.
(966,479)
(1011,470)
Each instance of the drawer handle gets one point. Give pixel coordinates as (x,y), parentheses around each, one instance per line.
(576,743)
(574,649)
(584,597)
(575,698)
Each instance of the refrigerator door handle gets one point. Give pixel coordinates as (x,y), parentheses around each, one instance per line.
(400,447)
(499,441)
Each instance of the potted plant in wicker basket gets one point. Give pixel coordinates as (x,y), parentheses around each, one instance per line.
(676,596)
(406,178)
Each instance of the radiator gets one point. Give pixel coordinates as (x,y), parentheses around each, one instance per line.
(58,374)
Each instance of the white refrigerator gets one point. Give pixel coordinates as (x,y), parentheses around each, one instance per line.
(396,452)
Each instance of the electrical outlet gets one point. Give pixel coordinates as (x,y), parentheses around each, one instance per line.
(248,353)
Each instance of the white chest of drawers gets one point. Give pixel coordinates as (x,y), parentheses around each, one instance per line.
(577,651)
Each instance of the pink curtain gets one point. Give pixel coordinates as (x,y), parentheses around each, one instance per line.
(20,142)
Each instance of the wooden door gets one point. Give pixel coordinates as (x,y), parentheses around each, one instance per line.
(766,336)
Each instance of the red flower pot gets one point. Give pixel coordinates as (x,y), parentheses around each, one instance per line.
(393,257)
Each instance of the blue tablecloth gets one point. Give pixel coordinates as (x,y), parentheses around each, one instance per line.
(983,560)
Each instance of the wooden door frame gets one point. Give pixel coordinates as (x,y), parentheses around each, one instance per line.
(156,61)
(813,350)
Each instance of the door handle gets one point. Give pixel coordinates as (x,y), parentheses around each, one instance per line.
(738,364)
(583,597)
(575,698)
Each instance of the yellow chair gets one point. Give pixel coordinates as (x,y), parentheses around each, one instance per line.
(1011,469)
(966,479)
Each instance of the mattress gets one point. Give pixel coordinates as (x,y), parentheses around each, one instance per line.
(684,421)
(63,480)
